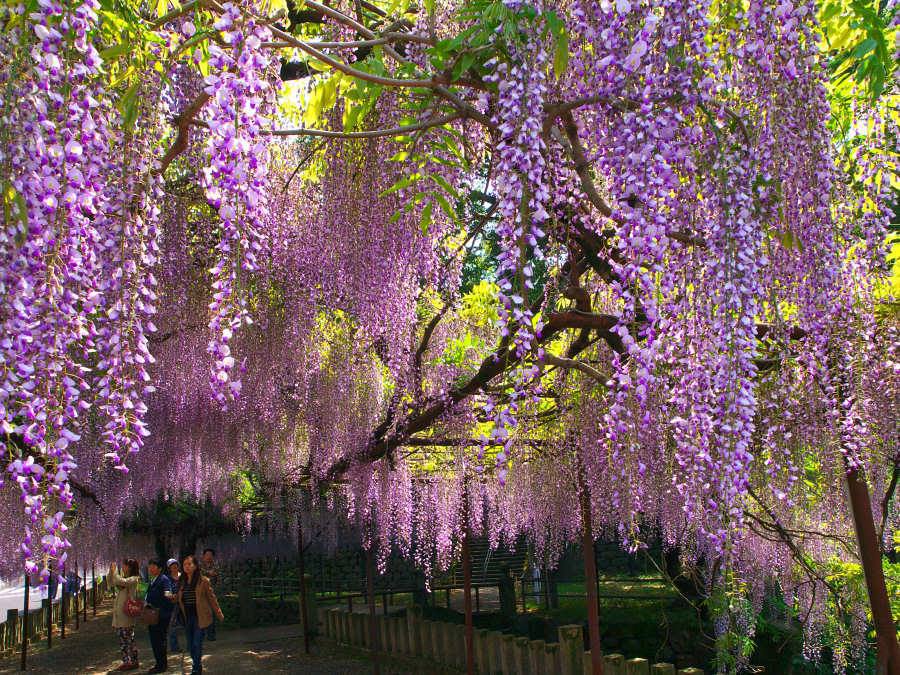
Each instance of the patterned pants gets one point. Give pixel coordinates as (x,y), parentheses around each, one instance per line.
(126,644)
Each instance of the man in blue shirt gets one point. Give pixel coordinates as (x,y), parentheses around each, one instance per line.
(158,596)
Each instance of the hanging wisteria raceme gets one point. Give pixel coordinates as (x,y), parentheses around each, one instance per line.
(129,286)
(58,158)
(523,195)
(235,182)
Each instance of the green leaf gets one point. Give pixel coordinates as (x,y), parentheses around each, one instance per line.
(404,182)
(561,55)
(445,206)
(128,105)
(444,183)
(864,48)
(425,220)
(112,53)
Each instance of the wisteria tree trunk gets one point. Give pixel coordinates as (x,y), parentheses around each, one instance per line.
(888,655)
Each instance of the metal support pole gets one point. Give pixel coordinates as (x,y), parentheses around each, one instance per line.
(590,575)
(62,602)
(84,594)
(302,571)
(50,608)
(467,584)
(370,587)
(94,587)
(25,622)
(75,601)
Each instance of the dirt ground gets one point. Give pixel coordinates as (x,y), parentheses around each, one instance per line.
(93,650)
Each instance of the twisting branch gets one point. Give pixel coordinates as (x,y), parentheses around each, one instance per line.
(375,133)
(582,165)
(183,124)
(581,366)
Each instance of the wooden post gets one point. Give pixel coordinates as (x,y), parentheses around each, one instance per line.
(467,584)
(94,587)
(590,574)
(25,621)
(302,571)
(370,588)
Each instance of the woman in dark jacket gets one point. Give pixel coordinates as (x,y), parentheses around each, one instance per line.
(197,603)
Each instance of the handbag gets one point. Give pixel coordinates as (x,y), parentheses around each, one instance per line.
(134,608)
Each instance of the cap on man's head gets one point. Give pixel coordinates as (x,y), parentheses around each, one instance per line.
(170,562)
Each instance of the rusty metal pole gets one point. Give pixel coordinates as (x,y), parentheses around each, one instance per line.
(590,574)
(370,591)
(25,623)
(467,583)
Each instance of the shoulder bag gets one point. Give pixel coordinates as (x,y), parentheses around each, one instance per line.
(133,606)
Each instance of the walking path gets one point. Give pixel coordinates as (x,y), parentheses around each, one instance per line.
(93,650)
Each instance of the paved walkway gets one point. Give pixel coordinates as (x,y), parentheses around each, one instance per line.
(93,650)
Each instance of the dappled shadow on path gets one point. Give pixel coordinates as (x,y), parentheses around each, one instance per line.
(93,650)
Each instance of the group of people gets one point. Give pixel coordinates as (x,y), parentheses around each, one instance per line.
(179,598)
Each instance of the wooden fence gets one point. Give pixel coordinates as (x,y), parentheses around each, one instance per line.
(50,619)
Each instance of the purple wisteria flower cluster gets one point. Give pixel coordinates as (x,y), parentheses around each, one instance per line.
(235,182)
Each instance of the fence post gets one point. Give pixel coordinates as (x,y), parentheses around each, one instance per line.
(637,667)
(571,649)
(12,626)
(47,607)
